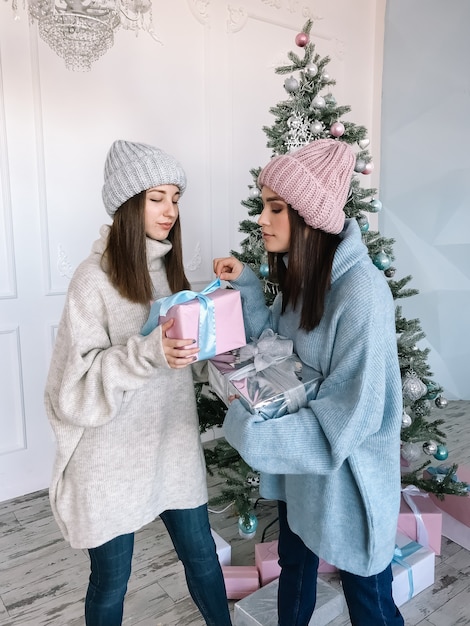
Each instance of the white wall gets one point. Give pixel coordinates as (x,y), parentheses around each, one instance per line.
(203,94)
(425,181)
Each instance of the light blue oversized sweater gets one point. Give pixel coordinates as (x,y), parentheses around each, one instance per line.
(335,463)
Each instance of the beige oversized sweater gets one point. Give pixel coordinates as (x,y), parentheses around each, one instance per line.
(127,431)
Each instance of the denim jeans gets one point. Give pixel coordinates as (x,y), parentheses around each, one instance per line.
(189,530)
(369,598)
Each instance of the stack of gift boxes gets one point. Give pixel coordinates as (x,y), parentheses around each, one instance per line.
(418,541)
(271,381)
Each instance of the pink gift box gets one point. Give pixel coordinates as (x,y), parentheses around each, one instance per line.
(423,523)
(266,559)
(229,327)
(240,580)
(326,568)
(456,506)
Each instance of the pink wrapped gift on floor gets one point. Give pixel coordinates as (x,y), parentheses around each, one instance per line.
(240,580)
(455,509)
(213,317)
(266,559)
(412,569)
(326,568)
(420,519)
(456,506)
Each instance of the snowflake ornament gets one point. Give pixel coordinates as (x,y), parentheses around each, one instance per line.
(299,133)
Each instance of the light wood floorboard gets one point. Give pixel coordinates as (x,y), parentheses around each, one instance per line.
(43,580)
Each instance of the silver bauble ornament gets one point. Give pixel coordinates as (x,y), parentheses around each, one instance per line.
(405,420)
(254,193)
(430,447)
(413,387)
(291,84)
(390,272)
(318,103)
(311,69)
(316,127)
(360,165)
(440,402)
(363,143)
(410,452)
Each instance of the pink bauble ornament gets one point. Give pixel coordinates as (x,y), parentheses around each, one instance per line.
(368,168)
(337,129)
(302,40)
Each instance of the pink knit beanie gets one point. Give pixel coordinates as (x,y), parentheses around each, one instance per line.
(315,181)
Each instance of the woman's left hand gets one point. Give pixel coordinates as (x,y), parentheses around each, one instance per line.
(177,351)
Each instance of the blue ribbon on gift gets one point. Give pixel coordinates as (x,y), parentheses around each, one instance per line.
(206,336)
(400,555)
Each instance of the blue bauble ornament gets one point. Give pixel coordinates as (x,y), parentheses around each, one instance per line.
(264,270)
(375,205)
(433,391)
(382,261)
(247,525)
(363,223)
(441,453)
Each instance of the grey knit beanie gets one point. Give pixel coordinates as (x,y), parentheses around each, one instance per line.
(315,181)
(134,167)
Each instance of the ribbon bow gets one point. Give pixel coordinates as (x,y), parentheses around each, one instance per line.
(399,556)
(421,530)
(443,470)
(206,336)
(269,348)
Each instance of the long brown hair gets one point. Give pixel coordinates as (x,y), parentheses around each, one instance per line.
(126,254)
(307,276)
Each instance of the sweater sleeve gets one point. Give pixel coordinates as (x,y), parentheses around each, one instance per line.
(349,406)
(257,316)
(88,377)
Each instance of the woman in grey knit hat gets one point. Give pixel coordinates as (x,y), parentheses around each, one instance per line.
(122,405)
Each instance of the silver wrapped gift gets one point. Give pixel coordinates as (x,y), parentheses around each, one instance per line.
(266,375)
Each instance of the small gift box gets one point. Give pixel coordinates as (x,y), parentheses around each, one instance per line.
(420,519)
(326,568)
(267,561)
(224,549)
(412,568)
(455,506)
(213,317)
(240,580)
(455,531)
(260,608)
(267,377)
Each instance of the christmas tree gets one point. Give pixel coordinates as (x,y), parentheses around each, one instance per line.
(310,112)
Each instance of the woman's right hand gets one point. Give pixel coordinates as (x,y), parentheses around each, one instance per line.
(228,268)
(177,352)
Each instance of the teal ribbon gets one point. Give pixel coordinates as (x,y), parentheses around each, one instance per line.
(399,557)
(206,336)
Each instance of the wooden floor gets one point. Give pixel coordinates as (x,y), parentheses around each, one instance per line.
(43,581)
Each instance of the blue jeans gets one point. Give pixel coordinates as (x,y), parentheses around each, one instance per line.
(369,598)
(189,530)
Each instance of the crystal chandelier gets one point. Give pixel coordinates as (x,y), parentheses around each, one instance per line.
(81,31)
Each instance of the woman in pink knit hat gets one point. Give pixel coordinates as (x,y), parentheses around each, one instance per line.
(334,465)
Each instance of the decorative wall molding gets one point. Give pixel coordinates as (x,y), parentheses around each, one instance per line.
(12,411)
(7,252)
(199,8)
(195,261)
